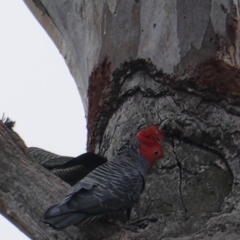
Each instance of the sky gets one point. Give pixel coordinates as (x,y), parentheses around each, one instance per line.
(36,91)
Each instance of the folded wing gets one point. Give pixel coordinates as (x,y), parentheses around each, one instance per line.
(96,196)
(69,169)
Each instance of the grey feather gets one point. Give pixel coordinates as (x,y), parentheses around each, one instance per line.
(47,159)
(69,169)
(112,187)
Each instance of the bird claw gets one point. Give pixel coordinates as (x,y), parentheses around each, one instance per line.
(141,223)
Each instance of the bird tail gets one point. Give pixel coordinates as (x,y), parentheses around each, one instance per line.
(59,219)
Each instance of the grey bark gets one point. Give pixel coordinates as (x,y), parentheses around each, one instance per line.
(24,188)
(170,63)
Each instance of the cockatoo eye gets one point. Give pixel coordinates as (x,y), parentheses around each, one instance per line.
(156,153)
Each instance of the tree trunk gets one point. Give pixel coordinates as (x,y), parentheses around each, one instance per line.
(170,63)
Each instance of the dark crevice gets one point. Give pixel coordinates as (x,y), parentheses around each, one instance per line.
(199,104)
(212,150)
(180,174)
(189,172)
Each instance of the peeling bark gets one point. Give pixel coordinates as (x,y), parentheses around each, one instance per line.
(174,34)
(171,63)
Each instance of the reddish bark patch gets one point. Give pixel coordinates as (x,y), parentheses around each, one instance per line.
(104,94)
(99,82)
(217,77)
(213,79)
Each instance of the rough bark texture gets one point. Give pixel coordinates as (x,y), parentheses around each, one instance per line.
(195,187)
(175,34)
(172,63)
(25,189)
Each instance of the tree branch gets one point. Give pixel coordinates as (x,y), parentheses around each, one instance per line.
(27,189)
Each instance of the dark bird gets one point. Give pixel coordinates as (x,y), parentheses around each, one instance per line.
(113,187)
(69,169)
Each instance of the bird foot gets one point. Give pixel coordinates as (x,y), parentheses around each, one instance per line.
(140,223)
